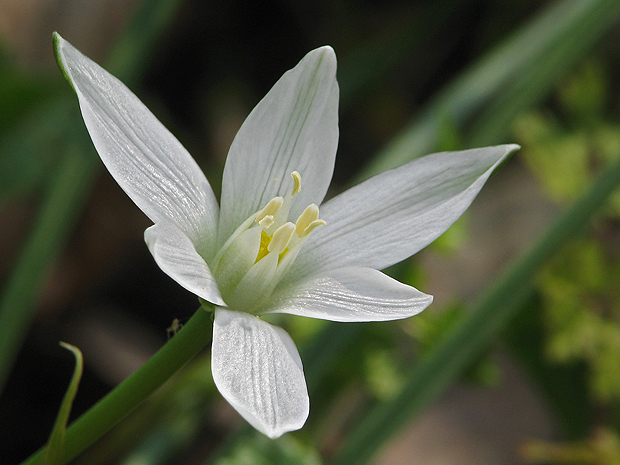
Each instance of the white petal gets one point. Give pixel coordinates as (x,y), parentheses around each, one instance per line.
(350,294)
(146,160)
(175,254)
(257,369)
(294,127)
(393,215)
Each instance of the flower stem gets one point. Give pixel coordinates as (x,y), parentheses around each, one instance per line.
(134,390)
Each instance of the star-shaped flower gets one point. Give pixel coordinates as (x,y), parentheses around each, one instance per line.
(268,248)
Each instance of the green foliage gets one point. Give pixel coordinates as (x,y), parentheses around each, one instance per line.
(602,448)
(566,148)
(399,373)
(286,450)
(580,286)
(429,327)
(55,446)
(557,157)
(584,95)
(582,313)
(383,375)
(565,145)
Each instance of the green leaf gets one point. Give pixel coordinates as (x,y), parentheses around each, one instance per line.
(55,445)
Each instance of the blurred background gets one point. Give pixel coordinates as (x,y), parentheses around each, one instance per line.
(538,381)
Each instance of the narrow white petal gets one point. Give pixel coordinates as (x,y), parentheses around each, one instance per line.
(393,215)
(350,294)
(257,369)
(294,127)
(146,160)
(176,255)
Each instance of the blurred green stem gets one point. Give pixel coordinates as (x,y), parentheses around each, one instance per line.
(67,192)
(477,330)
(369,64)
(128,395)
(510,78)
(64,198)
(138,44)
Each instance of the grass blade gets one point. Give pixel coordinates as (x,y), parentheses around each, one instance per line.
(58,213)
(54,449)
(68,192)
(560,35)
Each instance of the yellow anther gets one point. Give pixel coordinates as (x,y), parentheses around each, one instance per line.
(281,237)
(296,182)
(267,221)
(270,209)
(312,226)
(310,214)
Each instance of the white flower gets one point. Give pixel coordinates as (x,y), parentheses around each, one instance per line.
(269,248)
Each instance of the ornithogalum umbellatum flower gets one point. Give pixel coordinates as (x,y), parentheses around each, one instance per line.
(271,246)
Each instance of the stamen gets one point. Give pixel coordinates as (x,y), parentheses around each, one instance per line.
(257,255)
(267,221)
(310,214)
(270,209)
(296,182)
(281,237)
(312,226)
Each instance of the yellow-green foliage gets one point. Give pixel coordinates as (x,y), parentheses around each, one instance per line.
(603,448)
(582,313)
(564,149)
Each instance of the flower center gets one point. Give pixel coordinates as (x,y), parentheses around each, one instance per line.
(260,252)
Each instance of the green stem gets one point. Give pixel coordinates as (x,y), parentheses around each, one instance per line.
(128,395)
(478,329)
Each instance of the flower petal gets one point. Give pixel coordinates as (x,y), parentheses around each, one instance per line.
(350,294)
(257,369)
(176,255)
(294,127)
(393,215)
(146,160)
